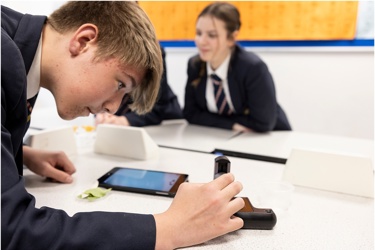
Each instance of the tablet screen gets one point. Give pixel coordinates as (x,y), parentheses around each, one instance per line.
(143,179)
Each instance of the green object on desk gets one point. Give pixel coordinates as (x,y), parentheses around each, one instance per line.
(94,193)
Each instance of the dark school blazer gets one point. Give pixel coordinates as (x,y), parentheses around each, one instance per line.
(165,108)
(251,89)
(22,225)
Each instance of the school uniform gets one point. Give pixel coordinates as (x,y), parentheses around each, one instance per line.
(165,108)
(22,225)
(249,89)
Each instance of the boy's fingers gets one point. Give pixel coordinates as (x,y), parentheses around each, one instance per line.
(64,164)
(235,205)
(232,189)
(59,175)
(223,181)
(235,223)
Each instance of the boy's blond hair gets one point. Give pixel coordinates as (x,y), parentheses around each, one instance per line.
(125,32)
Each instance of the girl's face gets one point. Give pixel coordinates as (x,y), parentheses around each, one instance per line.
(212,40)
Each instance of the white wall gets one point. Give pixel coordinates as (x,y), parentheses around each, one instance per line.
(41,7)
(325,90)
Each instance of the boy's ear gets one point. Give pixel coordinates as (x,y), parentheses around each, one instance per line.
(84,36)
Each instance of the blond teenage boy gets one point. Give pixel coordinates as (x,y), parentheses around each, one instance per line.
(89,55)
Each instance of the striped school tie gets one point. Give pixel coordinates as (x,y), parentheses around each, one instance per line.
(30,104)
(220,99)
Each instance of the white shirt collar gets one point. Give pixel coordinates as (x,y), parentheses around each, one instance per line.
(33,77)
(222,70)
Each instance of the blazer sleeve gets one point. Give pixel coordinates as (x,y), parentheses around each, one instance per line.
(23,226)
(165,108)
(261,109)
(195,108)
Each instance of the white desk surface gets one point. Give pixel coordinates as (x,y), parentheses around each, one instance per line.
(316,219)
(180,134)
(280,144)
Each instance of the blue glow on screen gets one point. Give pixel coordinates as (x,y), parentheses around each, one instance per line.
(144,179)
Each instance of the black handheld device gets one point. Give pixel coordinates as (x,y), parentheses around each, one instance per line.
(254,218)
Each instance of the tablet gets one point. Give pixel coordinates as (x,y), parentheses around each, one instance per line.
(143,181)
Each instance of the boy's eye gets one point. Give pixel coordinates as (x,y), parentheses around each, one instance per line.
(121,85)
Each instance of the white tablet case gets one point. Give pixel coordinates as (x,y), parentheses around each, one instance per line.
(56,139)
(125,141)
(349,174)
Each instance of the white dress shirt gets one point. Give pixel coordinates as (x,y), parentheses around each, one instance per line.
(222,72)
(33,77)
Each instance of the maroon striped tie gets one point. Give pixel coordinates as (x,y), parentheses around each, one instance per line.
(220,99)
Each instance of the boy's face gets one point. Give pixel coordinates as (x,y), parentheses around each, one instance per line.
(80,82)
(93,86)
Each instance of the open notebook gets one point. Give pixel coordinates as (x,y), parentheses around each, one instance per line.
(125,141)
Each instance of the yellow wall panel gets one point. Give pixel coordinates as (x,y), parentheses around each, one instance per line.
(261,20)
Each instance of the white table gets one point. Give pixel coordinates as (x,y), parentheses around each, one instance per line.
(179,134)
(274,146)
(279,144)
(315,220)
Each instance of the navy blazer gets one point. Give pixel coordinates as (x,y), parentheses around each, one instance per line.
(251,89)
(22,225)
(165,108)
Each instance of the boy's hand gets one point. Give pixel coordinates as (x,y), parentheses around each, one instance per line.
(200,212)
(51,164)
